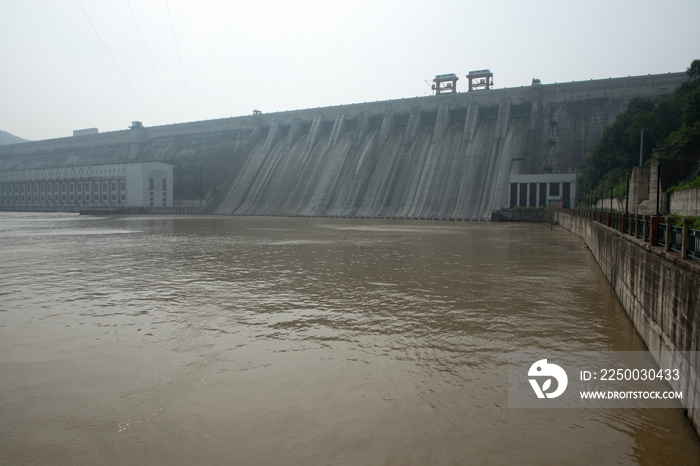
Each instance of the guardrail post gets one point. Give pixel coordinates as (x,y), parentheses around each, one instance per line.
(654,221)
(624,227)
(685,242)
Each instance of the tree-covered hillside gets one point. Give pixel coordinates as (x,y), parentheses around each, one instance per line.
(672,124)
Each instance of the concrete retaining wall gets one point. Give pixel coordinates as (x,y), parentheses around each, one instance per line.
(659,290)
(617,204)
(686,202)
(146,211)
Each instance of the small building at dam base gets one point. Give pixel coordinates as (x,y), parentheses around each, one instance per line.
(143,184)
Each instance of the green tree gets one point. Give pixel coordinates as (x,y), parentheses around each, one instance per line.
(672,123)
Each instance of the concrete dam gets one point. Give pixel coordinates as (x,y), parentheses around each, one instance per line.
(442,156)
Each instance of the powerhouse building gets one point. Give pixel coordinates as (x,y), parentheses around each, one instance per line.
(144,184)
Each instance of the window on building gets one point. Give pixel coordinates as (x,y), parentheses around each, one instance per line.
(543,194)
(165,184)
(123,188)
(114,197)
(553,189)
(70,187)
(80,187)
(123,197)
(566,194)
(95,187)
(114,186)
(151,184)
(64,190)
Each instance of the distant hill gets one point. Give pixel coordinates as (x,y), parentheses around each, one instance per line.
(7,138)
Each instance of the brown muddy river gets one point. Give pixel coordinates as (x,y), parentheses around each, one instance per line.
(230,340)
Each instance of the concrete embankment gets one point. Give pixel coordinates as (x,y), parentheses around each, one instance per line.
(660,292)
(521,215)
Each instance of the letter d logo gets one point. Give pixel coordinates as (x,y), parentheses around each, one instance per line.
(542,369)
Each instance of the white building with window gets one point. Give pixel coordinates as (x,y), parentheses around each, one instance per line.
(145,184)
(543,189)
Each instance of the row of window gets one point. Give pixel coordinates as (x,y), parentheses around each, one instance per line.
(60,172)
(82,192)
(165,184)
(21,188)
(54,198)
(165,197)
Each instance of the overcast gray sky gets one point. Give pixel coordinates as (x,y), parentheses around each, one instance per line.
(72,64)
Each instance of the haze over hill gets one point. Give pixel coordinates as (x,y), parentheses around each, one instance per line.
(7,138)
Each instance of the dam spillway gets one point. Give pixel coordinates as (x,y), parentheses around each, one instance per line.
(446,156)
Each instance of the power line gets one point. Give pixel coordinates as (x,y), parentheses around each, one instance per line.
(178,59)
(290,54)
(328,55)
(94,50)
(270,57)
(114,61)
(149,59)
(668,118)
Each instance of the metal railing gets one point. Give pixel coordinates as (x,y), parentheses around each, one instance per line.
(669,237)
(662,234)
(676,240)
(640,227)
(647,225)
(694,244)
